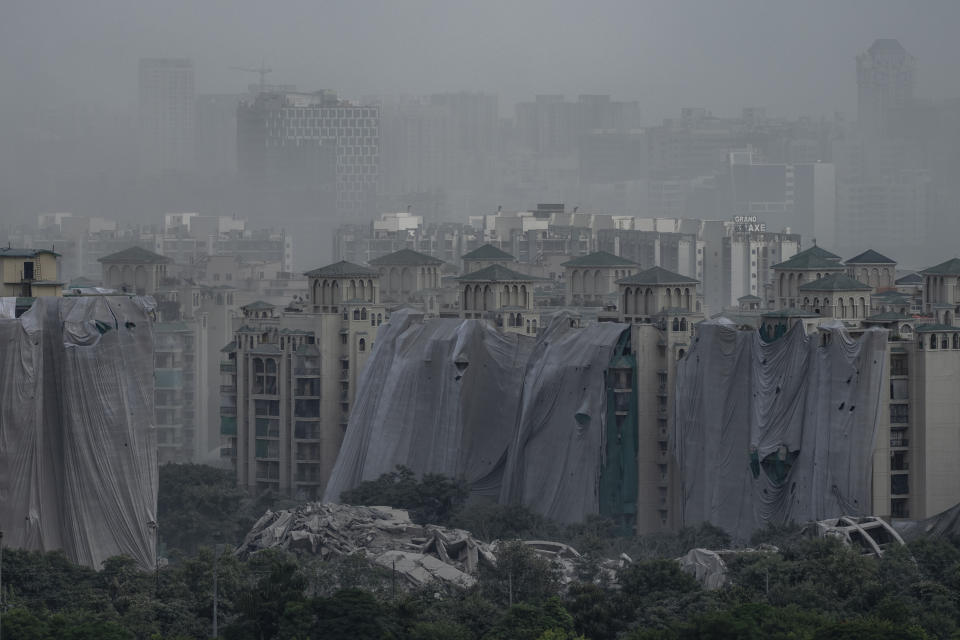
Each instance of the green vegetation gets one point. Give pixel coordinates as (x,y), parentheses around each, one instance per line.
(810,590)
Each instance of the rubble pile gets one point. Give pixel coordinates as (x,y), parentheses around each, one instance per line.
(387,536)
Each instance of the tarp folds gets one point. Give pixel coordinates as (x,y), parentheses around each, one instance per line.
(461,398)
(776,432)
(78,451)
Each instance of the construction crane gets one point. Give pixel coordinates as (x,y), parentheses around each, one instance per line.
(262,70)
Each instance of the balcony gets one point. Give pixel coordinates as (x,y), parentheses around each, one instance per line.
(899,442)
(228,367)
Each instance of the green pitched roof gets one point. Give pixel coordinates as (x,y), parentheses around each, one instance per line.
(405,257)
(749,297)
(7,252)
(497,273)
(910,278)
(820,252)
(949,268)
(925,328)
(887,316)
(834,282)
(341,269)
(134,255)
(488,252)
(871,257)
(789,312)
(657,275)
(259,305)
(599,259)
(230,347)
(809,259)
(890,296)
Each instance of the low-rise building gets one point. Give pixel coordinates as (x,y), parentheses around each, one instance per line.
(29,273)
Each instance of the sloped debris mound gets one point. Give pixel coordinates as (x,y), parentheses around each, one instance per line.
(386,536)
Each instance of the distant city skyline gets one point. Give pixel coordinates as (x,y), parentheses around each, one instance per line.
(665,55)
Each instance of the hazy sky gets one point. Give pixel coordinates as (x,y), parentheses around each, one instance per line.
(792,57)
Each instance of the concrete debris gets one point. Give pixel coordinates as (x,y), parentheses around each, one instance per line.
(706,566)
(709,566)
(419,553)
(870,534)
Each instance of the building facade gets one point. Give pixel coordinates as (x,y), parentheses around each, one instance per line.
(314,142)
(289,378)
(167,115)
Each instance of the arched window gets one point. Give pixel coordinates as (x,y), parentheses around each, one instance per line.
(945,342)
(362,345)
(379,319)
(933,341)
(373,320)
(676,324)
(956,341)
(680,354)
(363,313)
(683,324)
(356,314)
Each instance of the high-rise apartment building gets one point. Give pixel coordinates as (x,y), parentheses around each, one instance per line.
(289,379)
(312,143)
(167,116)
(886,78)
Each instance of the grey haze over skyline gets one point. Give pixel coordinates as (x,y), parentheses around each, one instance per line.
(793,58)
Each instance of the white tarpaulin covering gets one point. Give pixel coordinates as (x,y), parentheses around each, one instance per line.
(776,432)
(521,419)
(78,451)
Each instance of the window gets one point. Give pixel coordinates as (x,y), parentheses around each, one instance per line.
(362,345)
(229,277)
(899,413)
(900,484)
(216,277)
(898,390)
(898,365)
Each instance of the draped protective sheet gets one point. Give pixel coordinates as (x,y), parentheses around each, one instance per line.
(776,432)
(461,398)
(78,450)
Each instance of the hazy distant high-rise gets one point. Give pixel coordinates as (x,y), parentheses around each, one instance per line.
(312,146)
(167,115)
(886,77)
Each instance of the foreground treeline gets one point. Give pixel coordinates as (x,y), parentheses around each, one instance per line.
(810,589)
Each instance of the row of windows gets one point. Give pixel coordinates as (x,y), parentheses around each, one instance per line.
(354,114)
(943,340)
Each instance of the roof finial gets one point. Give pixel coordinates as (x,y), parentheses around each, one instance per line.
(814,241)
